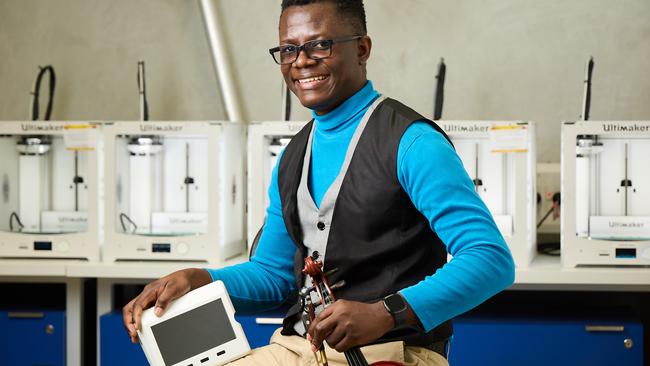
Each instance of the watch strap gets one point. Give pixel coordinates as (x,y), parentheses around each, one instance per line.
(400,318)
(399,315)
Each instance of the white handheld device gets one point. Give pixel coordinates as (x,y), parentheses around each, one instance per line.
(197,329)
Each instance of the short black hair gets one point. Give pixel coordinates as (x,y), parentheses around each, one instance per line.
(352,9)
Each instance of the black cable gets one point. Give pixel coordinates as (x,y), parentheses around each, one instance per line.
(552,249)
(143,89)
(37,90)
(590,70)
(545,216)
(556,201)
(11,222)
(287,104)
(124,216)
(440,90)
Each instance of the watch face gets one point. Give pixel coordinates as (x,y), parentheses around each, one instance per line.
(395,303)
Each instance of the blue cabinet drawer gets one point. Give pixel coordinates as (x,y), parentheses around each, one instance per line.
(115,345)
(30,338)
(259,327)
(542,342)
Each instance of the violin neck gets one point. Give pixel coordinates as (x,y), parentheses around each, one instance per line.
(355,357)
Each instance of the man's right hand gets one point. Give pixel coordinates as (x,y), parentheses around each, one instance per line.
(160,293)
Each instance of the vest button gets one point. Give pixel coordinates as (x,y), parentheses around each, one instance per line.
(320,226)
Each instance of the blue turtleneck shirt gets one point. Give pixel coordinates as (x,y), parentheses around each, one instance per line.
(432,175)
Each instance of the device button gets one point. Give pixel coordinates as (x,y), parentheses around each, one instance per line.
(320,226)
(646,253)
(182,248)
(63,246)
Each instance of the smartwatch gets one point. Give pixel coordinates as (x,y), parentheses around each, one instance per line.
(396,306)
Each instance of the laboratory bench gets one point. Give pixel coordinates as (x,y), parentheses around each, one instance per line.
(543,278)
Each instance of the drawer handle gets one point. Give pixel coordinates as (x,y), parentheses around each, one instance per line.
(25,315)
(604,328)
(274,321)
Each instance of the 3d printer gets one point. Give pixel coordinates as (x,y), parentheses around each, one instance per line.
(49,185)
(605,189)
(173,190)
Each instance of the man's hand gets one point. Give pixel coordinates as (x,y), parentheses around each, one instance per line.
(346,324)
(160,293)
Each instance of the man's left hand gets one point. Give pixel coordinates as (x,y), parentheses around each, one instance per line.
(346,324)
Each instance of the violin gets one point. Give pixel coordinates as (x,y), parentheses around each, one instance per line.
(325,297)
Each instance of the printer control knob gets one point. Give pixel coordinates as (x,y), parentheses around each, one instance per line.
(63,247)
(646,253)
(182,248)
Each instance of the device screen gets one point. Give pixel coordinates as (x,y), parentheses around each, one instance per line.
(193,332)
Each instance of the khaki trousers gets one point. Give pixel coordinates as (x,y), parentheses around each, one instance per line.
(295,351)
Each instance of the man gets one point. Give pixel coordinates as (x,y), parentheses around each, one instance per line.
(379,192)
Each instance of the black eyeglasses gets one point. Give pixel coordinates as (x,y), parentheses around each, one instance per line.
(315,50)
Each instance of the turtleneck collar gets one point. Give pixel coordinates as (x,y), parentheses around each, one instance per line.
(343,115)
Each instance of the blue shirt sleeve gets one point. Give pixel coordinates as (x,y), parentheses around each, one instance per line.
(433,176)
(267,279)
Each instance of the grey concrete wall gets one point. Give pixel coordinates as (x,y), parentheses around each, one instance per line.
(507,59)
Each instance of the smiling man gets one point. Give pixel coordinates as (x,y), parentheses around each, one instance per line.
(379,192)
(322,81)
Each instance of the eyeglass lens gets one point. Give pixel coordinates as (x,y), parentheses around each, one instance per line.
(315,50)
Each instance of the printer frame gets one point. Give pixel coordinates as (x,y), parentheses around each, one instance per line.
(577,246)
(224,237)
(32,244)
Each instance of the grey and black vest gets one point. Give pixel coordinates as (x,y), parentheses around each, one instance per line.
(371,231)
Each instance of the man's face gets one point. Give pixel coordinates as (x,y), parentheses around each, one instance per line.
(322,85)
